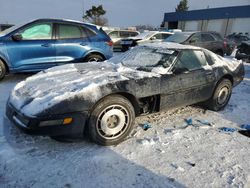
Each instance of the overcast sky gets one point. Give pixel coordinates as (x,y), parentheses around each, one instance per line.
(121,13)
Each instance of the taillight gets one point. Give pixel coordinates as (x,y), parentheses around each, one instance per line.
(225,43)
(110,43)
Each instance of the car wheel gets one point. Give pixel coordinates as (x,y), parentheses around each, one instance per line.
(221,95)
(2,70)
(94,58)
(111,120)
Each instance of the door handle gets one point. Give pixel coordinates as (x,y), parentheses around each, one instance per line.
(46,45)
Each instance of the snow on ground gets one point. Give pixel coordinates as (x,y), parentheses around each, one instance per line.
(167,155)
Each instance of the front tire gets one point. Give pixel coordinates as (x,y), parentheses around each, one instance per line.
(2,70)
(221,95)
(111,120)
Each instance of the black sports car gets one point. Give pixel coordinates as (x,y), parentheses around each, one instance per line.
(104,98)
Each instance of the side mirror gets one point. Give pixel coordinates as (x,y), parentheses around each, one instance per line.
(17,37)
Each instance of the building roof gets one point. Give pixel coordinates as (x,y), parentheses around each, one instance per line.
(209,14)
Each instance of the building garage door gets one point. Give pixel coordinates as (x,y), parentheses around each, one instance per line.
(191,25)
(215,25)
(240,25)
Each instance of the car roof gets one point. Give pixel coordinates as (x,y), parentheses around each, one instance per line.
(131,31)
(63,20)
(166,32)
(192,32)
(171,45)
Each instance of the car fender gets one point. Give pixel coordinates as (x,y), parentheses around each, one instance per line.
(86,54)
(4,57)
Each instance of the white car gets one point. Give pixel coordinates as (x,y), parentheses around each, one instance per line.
(117,35)
(145,37)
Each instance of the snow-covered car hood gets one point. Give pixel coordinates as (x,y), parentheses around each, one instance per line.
(52,86)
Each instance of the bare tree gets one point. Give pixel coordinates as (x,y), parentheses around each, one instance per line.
(95,15)
(182,6)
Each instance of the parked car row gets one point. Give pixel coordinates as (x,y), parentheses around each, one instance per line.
(145,37)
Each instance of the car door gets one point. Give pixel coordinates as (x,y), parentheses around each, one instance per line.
(209,42)
(191,81)
(35,49)
(72,43)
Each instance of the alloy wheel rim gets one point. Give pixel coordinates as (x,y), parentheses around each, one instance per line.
(94,59)
(112,122)
(223,95)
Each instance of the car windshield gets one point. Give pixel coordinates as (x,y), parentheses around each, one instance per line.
(142,56)
(9,30)
(144,35)
(178,37)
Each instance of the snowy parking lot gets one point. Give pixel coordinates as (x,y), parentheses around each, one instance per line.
(169,154)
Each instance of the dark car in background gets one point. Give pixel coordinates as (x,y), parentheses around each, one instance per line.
(103,98)
(44,43)
(209,40)
(237,38)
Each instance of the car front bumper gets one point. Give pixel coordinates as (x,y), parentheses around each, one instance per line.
(31,125)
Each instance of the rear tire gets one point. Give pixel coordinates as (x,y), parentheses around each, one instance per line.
(94,58)
(2,70)
(111,121)
(221,95)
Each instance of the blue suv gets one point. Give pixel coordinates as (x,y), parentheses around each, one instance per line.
(44,43)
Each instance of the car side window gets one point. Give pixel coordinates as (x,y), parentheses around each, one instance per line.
(41,31)
(87,32)
(207,38)
(196,37)
(124,34)
(114,34)
(158,36)
(133,34)
(190,60)
(164,36)
(69,31)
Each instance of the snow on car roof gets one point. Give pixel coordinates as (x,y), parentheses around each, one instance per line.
(170,45)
